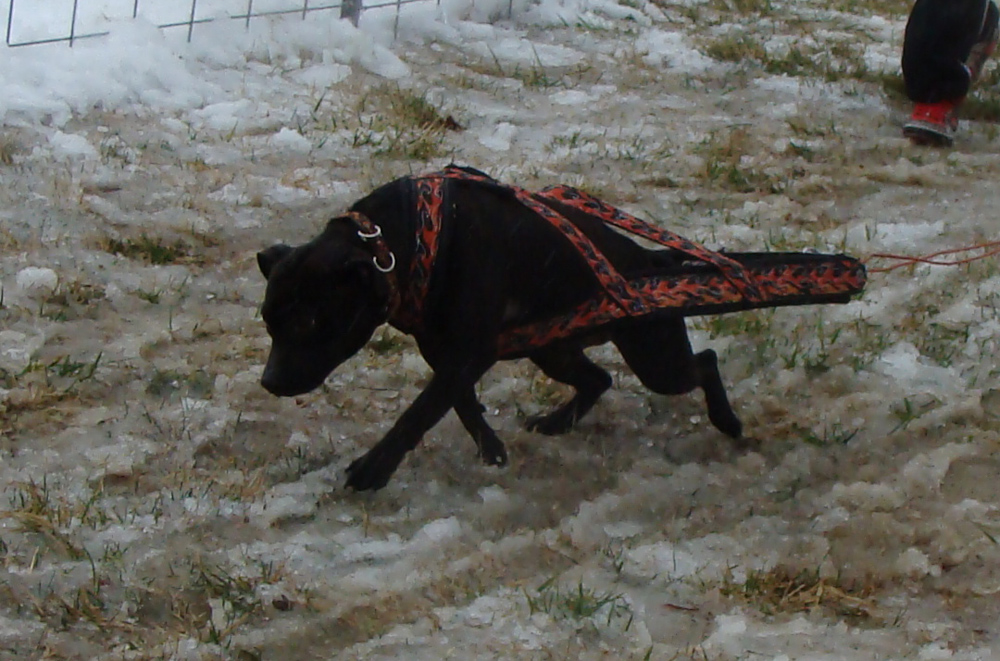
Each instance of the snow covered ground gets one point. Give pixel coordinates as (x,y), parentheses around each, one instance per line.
(158,504)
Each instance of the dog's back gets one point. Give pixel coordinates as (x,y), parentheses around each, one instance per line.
(524,268)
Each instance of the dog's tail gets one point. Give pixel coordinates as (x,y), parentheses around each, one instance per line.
(690,288)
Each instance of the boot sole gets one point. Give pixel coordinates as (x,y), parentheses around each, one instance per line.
(920,135)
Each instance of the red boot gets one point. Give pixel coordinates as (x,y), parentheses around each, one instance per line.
(933,124)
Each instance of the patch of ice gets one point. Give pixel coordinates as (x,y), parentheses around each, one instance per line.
(298,439)
(935,652)
(494,496)
(293,500)
(904,364)
(663,559)
(291,140)
(17,628)
(412,361)
(868,497)
(570,98)
(914,563)
(928,470)
(484,610)
(69,146)
(119,458)
(662,48)
(322,76)
(36,281)
(517,51)
(228,116)
(530,635)
(500,138)
(586,528)
(17,349)
(288,194)
(437,531)
(623,529)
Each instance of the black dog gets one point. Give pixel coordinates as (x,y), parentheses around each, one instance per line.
(496,265)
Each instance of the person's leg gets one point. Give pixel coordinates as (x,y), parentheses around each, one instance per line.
(944,47)
(986,43)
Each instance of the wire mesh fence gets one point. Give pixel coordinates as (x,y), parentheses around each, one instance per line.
(72,20)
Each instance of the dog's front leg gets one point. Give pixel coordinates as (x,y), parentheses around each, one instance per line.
(375,467)
(470,412)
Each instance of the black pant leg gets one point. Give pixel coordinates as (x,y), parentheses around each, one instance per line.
(939,37)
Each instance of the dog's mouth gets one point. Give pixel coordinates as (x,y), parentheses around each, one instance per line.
(283,389)
(287,378)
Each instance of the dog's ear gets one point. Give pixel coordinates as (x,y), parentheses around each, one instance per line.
(358,270)
(266,259)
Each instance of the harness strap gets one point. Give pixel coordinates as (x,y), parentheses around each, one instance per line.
(834,280)
(731,269)
(429,194)
(617,287)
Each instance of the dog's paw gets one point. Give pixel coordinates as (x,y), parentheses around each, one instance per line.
(493,452)
(371,471)
(727,423)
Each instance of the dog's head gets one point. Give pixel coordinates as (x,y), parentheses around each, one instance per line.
(323,301)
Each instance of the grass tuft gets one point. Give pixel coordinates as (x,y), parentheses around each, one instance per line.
(577,604)
(154,250)
(782,590)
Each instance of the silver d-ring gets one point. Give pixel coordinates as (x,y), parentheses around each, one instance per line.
(385,269)
(376,233)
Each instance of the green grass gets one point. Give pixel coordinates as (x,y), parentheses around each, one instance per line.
(738,48)
(577,603)
(153,250)
(395,122)
(832,61)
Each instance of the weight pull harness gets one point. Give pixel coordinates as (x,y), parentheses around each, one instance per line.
(707,282)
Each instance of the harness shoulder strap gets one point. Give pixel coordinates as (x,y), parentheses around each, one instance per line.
(731,269)
(618,288)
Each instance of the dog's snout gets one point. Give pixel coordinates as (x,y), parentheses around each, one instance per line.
(278,387)
(288,380)
(269,383)
(272,381)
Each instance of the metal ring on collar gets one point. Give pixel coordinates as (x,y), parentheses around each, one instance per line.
(375,234)
(385,269)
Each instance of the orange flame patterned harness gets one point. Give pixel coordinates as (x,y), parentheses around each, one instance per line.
(729,286)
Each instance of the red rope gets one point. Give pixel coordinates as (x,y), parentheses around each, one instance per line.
(991,248)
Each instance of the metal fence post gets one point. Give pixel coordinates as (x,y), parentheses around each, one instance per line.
(10,20)
(72,24)
(351,9)
(194,4)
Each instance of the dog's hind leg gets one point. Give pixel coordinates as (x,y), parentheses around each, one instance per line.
(659,352)
(470,412)
(568,364)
